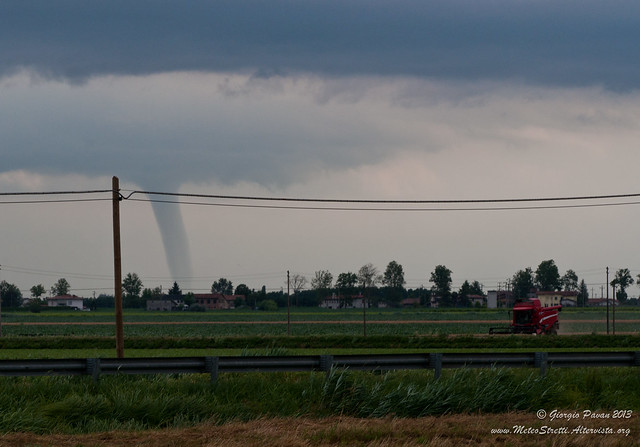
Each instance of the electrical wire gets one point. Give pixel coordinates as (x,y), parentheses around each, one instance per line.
(395,209)
(53,193)
(379,201)
(27,202)
(345,202)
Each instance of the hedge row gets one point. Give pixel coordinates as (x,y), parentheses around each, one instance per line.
(631,342)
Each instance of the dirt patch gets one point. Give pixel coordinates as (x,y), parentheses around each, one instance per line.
(452,430)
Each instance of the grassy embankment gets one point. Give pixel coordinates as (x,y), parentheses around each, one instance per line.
(76,405)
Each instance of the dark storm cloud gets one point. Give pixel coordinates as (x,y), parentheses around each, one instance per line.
(544,42)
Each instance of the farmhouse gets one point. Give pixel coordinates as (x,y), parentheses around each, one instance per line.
(342,302)
(73,301)
(477,300)
(602,302)
(165,303)
(216,301)
(410,302)
(568,299)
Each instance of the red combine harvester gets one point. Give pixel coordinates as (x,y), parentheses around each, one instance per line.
(529,317)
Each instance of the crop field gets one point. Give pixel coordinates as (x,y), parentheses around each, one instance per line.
(302,322)
(407,407)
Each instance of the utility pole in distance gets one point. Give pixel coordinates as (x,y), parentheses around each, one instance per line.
(607,300)
(117,267)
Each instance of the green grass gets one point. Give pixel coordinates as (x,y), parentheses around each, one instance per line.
(330,342)
(77,405)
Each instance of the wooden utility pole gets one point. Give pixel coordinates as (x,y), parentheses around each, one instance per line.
(117,267)
(613,310)
(0,309)
(607,300)
(364,312)
(288,304)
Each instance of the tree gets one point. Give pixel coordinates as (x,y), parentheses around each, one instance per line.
(322,280)
(10,295)
(38,291)
(297,282)
(522,283)
(468,289)
(152,294)
(393,279)
(569,281)
(60,288)
(583,294)
(175,290)
(244,290)
(394,276)
(441,279)
(368,276)
(223,286)
(476,288)
(347,283)
(547,276)
(132,285)
(622,280)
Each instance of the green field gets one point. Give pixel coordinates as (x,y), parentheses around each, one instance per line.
(55,405)
(303,322)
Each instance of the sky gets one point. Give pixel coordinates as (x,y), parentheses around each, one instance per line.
(351,100)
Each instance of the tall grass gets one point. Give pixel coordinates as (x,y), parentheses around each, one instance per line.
(77,405)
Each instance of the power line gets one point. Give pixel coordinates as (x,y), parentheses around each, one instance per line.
(235,198)
(373,201)
(344,208)
(26,202)
(53,193)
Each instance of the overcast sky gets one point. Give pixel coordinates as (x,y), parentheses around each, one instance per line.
(387,100)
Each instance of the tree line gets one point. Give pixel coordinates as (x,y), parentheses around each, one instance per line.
(387,286)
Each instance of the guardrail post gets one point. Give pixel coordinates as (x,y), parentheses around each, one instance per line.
(93,369)
(435,362)
(541,362)
(211,366)
(326,362)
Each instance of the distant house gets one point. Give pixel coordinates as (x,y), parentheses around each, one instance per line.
(555,298)
(477,300)
(72,301)
(343,302)
(602,302)
(410,302)
(165,303)
(499,298)
(216,301)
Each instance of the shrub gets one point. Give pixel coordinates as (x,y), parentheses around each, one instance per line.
(268,305)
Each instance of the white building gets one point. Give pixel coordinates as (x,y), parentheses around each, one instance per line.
(73,301)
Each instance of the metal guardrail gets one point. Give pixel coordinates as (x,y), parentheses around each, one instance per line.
(213,366)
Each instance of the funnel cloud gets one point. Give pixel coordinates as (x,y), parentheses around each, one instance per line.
(174,238)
